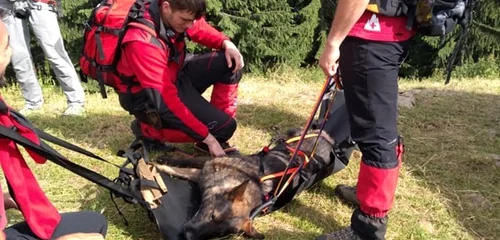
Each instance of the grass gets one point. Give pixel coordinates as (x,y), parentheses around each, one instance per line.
(449,186)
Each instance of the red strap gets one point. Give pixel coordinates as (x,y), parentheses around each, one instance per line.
(46,1)
(42,217)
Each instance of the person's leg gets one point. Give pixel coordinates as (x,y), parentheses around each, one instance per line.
(75,222)
(219,123)
(22,61)
(48,34)
(211,69)
(370,72)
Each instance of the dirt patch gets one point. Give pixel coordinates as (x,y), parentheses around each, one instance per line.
(406,99)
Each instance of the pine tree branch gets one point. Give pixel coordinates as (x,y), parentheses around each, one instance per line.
(487,29)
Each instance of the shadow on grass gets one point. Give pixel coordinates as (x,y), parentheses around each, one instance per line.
(449,137)
(304,213)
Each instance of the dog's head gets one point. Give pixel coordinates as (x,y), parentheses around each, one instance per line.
(224,214)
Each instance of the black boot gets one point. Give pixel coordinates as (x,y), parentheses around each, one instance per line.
(347,194)
(342,234)
(363,227)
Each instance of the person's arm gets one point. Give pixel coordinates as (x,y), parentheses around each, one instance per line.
(205,34)
(347,14)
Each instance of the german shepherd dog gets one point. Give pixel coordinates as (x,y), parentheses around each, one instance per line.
(231,186)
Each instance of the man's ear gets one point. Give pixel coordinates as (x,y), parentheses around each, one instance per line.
(165,6)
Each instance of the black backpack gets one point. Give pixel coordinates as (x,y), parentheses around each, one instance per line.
(436,18)
(430,17)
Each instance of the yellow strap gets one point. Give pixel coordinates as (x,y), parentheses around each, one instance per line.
(295,139)
(372,8)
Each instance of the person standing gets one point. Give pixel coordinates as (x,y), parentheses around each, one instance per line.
(42,16)
(369,48)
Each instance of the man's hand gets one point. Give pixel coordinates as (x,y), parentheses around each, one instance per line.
(347,14)
(214,146)
(232,52)
(329,60)
(9,202)
(81,236)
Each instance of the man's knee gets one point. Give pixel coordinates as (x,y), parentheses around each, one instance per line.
(226,131)
(379,155)
(234,77)
(219,60)
(377,144)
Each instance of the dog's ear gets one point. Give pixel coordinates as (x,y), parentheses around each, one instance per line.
(238,192)
(250,231)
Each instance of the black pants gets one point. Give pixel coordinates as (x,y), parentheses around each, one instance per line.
(76,222)
(369,71)
(196,76)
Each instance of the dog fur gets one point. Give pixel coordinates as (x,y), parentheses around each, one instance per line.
(231,186)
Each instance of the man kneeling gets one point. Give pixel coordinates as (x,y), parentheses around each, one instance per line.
(163,86)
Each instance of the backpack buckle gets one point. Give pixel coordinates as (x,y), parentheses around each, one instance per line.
(153,117)
(86,25)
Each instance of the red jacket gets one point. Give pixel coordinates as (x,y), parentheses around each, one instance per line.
(377,27)
(147,62)
(41,216)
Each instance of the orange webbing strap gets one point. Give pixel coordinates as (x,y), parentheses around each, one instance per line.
(338,81)
(308,124)
(338,86)
(276,175)
(279,174)
(278,190)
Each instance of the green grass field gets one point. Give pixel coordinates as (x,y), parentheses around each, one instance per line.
(449,186)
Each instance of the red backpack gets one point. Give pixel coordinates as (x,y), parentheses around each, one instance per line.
(102,38)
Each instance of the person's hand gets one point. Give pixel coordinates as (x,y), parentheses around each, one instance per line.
(214,146)
(329,60)
(232,53)
(9,202)
(81,236)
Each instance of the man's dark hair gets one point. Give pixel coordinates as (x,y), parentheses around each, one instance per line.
(198,7)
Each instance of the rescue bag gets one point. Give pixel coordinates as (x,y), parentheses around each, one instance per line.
(102,38)
(430,17)
(435,18)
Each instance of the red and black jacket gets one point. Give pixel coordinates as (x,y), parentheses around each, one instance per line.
(40,214)
(151,65)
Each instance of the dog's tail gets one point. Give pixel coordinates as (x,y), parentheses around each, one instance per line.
(195,162)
